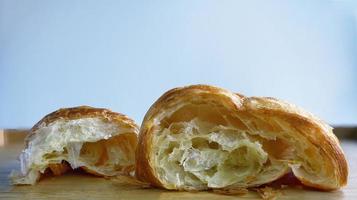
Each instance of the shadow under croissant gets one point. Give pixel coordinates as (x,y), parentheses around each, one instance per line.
(63,174)
(267,191)
(126,187)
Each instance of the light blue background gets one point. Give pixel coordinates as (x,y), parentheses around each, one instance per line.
(124,54)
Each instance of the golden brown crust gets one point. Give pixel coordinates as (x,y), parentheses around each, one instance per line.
(143,171)
(83,112)
(318,132)
(312,128)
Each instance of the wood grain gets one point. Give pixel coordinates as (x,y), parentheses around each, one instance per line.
(76,185)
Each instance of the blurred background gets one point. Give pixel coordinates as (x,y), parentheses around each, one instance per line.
(124,54)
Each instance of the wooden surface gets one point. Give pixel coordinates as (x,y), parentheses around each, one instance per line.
(77,185)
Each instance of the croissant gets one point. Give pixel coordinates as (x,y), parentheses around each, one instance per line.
(202,137)
(99,141)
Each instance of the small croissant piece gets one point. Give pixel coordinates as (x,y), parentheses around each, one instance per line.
(99,141)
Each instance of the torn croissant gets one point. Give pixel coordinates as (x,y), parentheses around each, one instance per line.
(202,137)
(99,141)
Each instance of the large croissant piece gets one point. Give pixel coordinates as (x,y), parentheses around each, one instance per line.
(99,141)
(201,137)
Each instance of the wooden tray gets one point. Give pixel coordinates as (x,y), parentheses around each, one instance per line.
(82,186)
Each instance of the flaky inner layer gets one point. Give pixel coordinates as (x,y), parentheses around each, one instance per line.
(106,157)
(203,146)
(99,147)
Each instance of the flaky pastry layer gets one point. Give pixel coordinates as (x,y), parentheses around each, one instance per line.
(201,137)
(97,140)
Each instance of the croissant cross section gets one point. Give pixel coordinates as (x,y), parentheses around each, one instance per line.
(202,137)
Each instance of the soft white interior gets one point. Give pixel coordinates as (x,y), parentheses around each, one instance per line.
(80,142)
(204,146)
